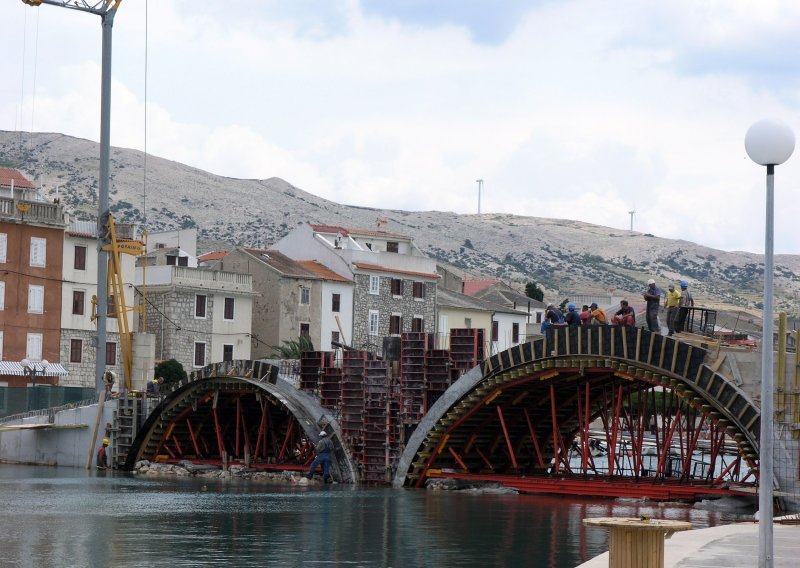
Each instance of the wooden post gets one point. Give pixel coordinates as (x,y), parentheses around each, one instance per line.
(100,403)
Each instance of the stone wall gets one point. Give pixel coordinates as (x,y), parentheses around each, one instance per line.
(82,374)
(387,304)
(173,309)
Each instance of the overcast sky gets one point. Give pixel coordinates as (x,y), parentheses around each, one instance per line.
(571,109)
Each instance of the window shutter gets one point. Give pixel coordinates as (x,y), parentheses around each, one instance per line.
(3,246)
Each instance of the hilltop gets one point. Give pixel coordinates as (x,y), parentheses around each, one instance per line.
(562,256)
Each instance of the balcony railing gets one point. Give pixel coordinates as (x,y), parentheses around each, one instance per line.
(35,211)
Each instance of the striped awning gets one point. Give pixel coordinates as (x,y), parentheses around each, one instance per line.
(15,368)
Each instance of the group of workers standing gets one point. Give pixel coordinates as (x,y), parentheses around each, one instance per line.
(676,304)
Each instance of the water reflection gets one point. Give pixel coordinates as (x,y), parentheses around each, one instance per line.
(66,517)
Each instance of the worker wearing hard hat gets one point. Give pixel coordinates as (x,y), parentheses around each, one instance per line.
(102,456)
(324,450)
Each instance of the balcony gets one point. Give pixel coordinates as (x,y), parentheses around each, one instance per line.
(32,212)
(186,277)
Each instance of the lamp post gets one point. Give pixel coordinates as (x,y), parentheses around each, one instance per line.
(768,143)
(30,367)
(106,9)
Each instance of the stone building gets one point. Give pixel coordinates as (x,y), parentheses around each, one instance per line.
(197,316)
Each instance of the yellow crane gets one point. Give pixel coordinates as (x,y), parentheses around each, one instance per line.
(116,294)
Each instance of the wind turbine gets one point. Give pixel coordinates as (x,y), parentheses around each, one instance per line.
(632,213)
(480,188)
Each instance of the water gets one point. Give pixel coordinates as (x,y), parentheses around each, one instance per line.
(68,517)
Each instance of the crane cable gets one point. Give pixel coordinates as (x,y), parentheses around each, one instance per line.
(144,173)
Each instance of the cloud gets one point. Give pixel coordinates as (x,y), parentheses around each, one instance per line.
(577,109)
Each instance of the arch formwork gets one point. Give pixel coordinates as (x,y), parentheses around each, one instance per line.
(239,412)
(524,419)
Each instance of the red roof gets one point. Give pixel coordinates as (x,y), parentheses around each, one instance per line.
(472,287)
(322,271)
(345,232)
(213,255)
(9,174)
(377,268)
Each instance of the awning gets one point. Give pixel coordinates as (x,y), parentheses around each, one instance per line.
(16,368)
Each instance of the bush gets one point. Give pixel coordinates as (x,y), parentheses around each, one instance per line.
(171,371)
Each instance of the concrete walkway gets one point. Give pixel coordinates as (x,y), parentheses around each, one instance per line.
(728,546)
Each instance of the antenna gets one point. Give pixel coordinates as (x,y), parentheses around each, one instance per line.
(632,213)
(480,188)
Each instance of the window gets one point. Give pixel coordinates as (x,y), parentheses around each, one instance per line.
(305,330)
(35,299)
(373,322)
(111,307)
(38,251)
(374,284)
(305,296)
(2,295)
(172,260)
(336,301)
(3,246)
(33,349)
(200,306)
(468,323)
(75,350)
(514,333)
(78,302)
(227,352)
(397,287)
(199,354)
(495,331)
(392,246)
(228,315)
(334,337)
(111,353)
(419,290)
(417,324)
(395,324)
(80,257)
(183,261)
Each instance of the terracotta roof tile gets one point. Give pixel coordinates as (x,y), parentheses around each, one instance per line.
(282,263)
(213,255)
(322,271)
(472,287)
(8,174)
(377,268)
(345,232)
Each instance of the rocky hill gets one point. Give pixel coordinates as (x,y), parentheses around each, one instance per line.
(563,256)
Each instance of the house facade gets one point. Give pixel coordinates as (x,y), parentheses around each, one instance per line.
(78,331)
(394,283)
(197,316)
(31,266)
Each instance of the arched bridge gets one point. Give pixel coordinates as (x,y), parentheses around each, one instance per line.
(238,412)
(576,407)
(597,410)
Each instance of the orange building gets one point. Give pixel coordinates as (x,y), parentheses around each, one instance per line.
(31,262)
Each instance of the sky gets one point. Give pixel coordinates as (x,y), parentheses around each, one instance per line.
(578,109)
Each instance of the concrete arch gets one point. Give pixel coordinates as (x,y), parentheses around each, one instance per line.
(569,354)
(257,379)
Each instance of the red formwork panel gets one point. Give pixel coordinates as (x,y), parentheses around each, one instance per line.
(352,396)
(312,367)
(412,373)
(330,390)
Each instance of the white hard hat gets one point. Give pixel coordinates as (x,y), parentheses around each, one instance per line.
(323,433)
(651,281)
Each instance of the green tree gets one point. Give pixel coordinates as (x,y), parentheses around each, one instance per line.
(533,291)
(171,371)
(292,348)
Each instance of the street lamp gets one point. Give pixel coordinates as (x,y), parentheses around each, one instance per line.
(30,367)
(768,143)
(106,9)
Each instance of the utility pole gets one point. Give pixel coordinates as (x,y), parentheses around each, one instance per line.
(106,9)
(480,188)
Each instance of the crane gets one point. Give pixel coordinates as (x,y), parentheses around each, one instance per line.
(106,9)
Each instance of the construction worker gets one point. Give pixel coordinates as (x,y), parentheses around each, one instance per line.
(652,295)
(684,304)
(625,315)
(598,316)
(102,456)
(324,449)
(671,305)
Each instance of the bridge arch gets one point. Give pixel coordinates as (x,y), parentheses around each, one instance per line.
(242,412)
(524,409)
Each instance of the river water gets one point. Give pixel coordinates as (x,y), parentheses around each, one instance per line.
(69,517)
